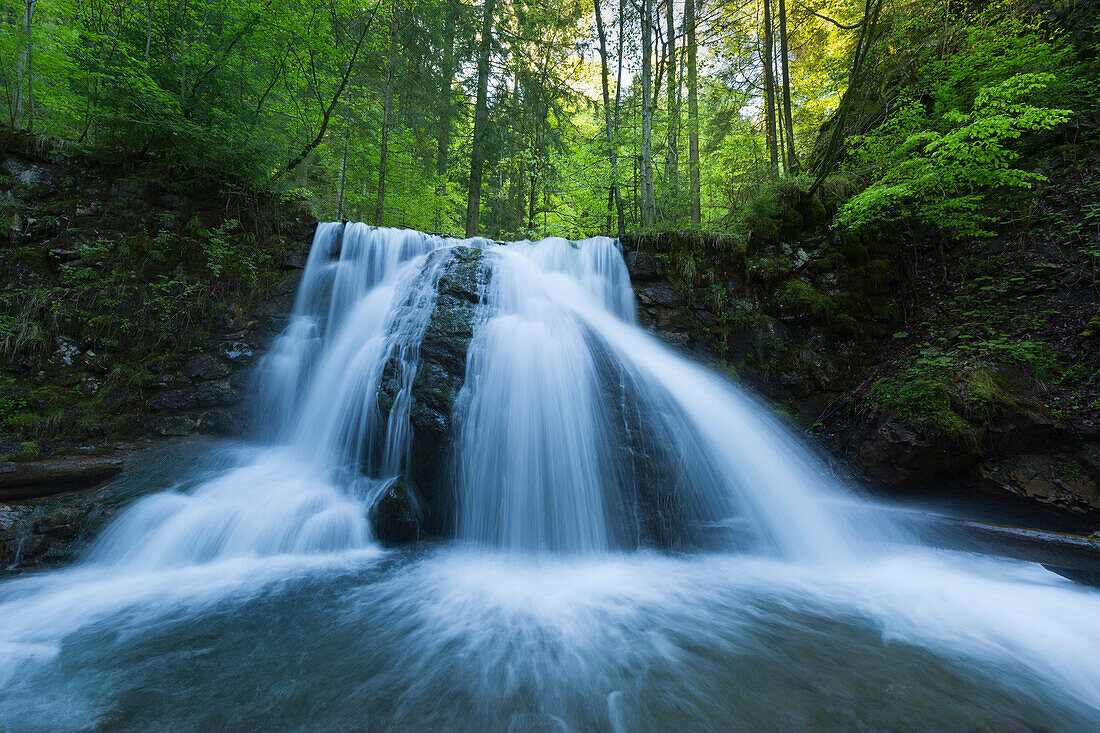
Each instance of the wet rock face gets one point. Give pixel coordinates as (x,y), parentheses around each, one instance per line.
(1068,481)
(653,506)
(893,453)
(438,379)
(40,478)
(777,314)
(57,506)
(398,515)
(1011,448)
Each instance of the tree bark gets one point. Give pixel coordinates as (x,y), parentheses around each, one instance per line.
(769,92)
(871,12)
(387,123)
(649,213)
(25,69)
(443,140)
(695,194)
(481,121)
(788,123)
(672,157)
(614,198)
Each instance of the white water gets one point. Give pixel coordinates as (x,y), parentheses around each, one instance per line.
(543,616)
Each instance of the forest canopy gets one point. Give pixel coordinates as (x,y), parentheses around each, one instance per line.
(514,119)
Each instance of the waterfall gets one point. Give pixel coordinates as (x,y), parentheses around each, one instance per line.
(630,541)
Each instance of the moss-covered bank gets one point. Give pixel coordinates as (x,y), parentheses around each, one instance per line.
(131,296)
(965,367)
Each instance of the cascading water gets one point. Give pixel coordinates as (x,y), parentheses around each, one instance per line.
(554,441)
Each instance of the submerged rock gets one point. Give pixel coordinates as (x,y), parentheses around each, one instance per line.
(397,516)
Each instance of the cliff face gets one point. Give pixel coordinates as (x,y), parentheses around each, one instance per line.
(960,368)
(132,302)
(796,321)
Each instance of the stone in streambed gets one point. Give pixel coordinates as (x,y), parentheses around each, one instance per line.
(397,516)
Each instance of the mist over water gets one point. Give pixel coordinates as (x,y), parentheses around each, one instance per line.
(257,596)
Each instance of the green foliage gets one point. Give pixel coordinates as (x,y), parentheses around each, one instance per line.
(924,392)
(942,178)
(799,298)
(27,450)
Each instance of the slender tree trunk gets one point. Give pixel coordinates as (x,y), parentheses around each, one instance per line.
(343,178)
(649,213)
(533,192)
(326,113)
(769,92)
(150,7)
(693,113)
(672,157)
(481,121)
(443,140)
(618,110)
(516,172)
(25,70)
(784,60)
(387,123)
(871,12)
(614,199)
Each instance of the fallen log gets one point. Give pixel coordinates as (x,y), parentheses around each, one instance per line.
(42,478)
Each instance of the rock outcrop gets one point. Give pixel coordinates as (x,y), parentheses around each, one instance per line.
(51,522)
(439,377)
(921,383)
(40,478)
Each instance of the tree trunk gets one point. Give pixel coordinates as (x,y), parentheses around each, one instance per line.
(443,140)
(618,108)
(481,121)
(343,179)
(387,123)
(871,12)
(769,92)
(24,69)
(614,198)
(693,113)
(649,213)
(672,157)
(149,8)
(788,124)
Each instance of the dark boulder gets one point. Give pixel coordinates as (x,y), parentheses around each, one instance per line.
(439,378)
(206,367)
(1068,481)
(643,267)
(397,516)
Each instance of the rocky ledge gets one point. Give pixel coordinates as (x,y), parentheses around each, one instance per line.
(922,383)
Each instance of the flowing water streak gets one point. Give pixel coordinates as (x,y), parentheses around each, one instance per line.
(540,455)
(568,414)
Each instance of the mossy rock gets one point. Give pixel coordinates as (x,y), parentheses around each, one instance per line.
(854,251)
(28,450)
(799,299)
(844,326)
(793,222)
(832,260)
(769,269)
(398,515)
(880,274)
(813,212)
